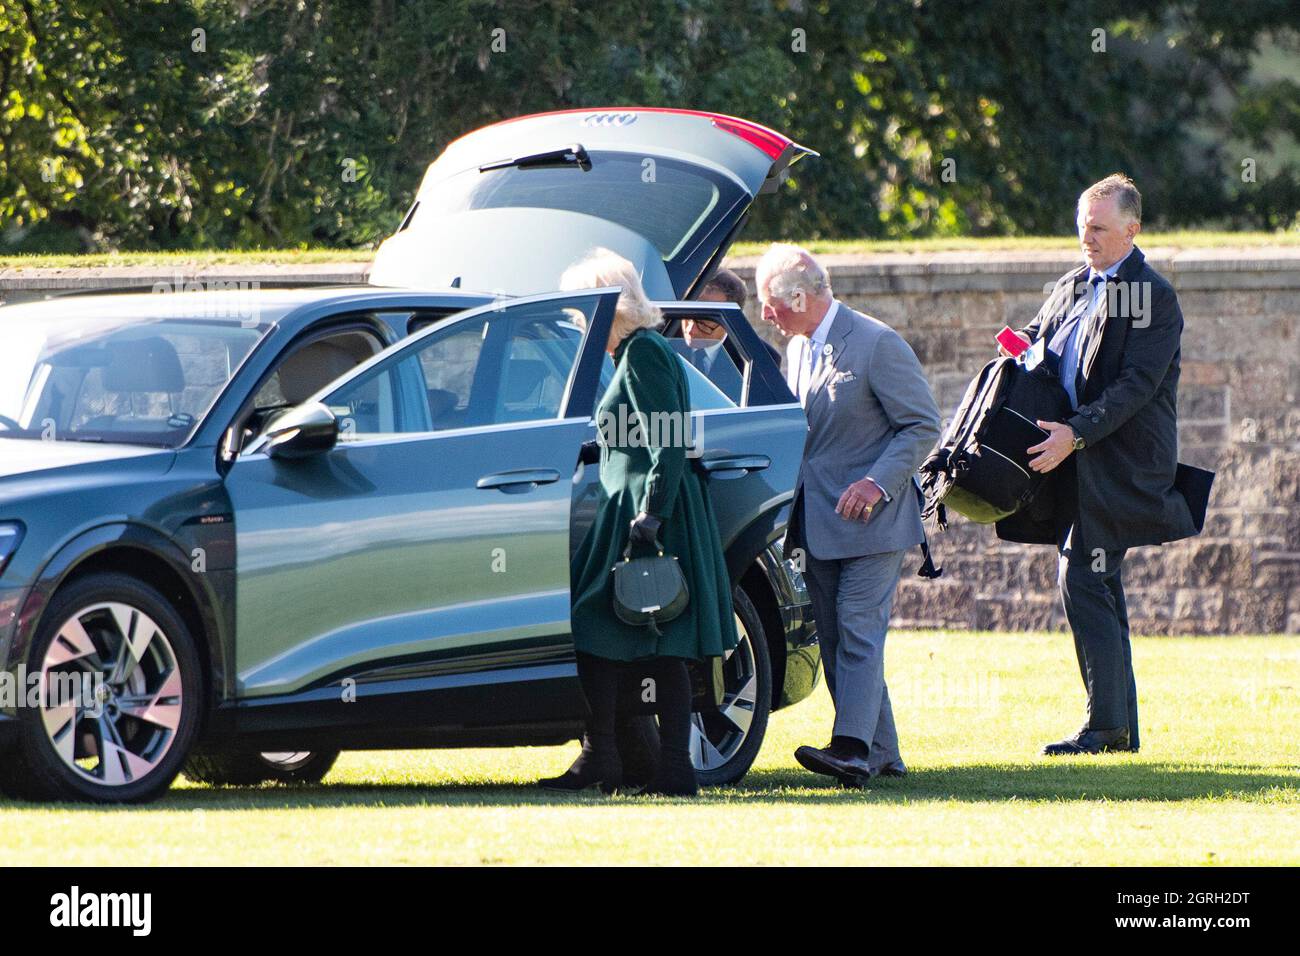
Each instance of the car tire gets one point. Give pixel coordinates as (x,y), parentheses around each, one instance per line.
(725,742)
(137,654)
(244,769)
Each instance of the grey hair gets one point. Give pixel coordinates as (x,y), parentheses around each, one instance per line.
(1124,191)
(788,270)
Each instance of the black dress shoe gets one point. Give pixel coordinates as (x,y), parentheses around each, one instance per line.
(892,770)
(849,770)
(1090,742)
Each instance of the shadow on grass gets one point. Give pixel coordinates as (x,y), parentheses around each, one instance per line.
(979,783)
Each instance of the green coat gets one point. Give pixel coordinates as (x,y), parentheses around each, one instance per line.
(658,479)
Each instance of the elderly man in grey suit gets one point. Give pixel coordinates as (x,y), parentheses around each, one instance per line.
(871,421)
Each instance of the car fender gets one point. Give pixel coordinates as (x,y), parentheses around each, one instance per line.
(757,536)
(203,591)
(791,631)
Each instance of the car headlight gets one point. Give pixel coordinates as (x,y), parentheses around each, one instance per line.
(11,533)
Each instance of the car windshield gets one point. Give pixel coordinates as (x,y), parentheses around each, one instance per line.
(115,377)
(618,188)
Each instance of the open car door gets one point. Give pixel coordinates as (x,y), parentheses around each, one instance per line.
(425,556)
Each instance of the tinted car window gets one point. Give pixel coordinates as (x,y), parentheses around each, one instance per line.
(618,188)
(703,393)
(496,368)
(716,370)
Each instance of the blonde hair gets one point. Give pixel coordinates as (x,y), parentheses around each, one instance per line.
(602,268)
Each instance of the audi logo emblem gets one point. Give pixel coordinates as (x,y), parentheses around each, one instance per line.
(609,119)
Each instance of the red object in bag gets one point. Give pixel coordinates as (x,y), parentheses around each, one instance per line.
(1012,341)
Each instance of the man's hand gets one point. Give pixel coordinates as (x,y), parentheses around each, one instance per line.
(1055,448)
(858,500)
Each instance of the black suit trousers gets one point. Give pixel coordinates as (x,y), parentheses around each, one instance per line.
(1092,590)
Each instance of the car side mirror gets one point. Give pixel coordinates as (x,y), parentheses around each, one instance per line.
(301,431)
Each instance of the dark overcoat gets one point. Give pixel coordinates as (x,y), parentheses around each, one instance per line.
(1120,488)
(651,473)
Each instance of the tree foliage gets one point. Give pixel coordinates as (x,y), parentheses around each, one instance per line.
(156,124)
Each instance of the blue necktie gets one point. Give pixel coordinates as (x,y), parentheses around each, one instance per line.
(1067,341)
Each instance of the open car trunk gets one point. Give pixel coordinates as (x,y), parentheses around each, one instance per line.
(509,207)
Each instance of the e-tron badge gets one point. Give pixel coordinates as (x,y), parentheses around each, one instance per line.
(609,119)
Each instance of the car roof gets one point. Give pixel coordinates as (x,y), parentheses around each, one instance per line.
(235,305)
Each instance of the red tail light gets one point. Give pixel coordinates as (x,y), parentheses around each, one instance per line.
(773,144)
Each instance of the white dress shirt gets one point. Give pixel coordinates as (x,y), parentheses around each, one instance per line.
(812,355)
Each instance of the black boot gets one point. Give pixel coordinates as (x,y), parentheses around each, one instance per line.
(638,748)
(675,775)
(598,765)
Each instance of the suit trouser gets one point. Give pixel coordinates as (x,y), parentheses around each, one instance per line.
(851,599)
(1092,591)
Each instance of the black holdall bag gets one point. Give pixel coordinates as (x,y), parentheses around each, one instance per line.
(649,591)
(980,468)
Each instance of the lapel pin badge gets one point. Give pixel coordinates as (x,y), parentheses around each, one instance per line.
(828,350)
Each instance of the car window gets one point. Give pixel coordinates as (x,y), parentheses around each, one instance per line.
(147,381)
(499,367)
(540,353)
(704,395)
(615,188)
(446,368)
(712,375)
(312,366)
(307,368)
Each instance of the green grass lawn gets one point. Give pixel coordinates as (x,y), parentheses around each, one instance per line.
(1217,782)
(1179,239)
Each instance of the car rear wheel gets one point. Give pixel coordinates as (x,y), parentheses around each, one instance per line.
(245,769)
(120,691)
(725,741)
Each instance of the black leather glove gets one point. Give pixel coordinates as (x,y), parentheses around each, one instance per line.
(589,453)
(645,529)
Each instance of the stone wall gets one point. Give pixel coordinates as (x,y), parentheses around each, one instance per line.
(1238,416)
(1238,407)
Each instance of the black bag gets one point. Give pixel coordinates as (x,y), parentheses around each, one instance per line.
(649,591)
(980,468)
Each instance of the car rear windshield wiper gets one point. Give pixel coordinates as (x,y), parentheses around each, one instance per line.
(573,155)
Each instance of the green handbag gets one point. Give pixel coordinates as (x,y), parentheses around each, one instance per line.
(649,591)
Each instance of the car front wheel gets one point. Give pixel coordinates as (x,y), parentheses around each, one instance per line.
(119,696)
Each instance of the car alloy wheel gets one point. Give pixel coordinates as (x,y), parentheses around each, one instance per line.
(127,663)
(288,760)
(227,767)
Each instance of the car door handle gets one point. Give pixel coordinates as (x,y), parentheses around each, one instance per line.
(521,480)
(733,466)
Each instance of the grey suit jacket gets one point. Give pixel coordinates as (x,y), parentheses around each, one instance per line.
(870,412)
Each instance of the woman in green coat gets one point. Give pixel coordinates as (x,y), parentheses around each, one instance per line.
(648,493)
